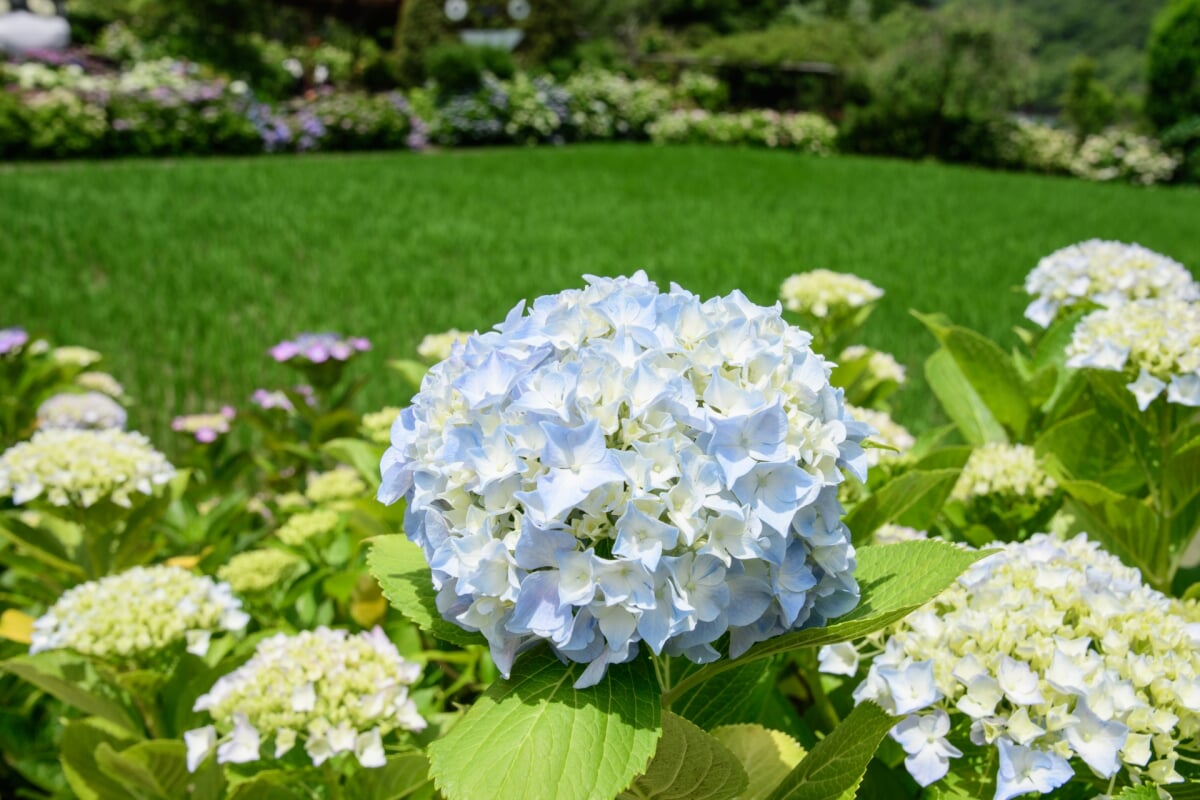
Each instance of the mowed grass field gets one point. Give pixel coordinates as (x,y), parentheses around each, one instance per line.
(184,272)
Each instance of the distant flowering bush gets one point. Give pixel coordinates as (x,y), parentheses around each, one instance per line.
(307,525)
(621,465)
(608,105)
(823,293)
(1105,273)
(256,571)
(12,340)
(1002,472)
(205,428)
(82,467)
(1040,148)
(437,346)
(132,617)
(1053,653)
(1122,155)
(1156,340)
(805,132)
(377,425)
(340,483)
(317,348)
(74,411)
(330,690)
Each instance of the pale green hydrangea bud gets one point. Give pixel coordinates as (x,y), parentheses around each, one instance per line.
(307,525)
(377,425)
(101,382)
(74,356)
(291,502)
(331,690)
(257,571)
(72,467)
(1001,470)
(340,483)
(437,346)
(133,616)
(822,293)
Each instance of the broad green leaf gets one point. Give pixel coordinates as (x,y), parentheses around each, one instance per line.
(990,372)
(1125,526)
(1083,447)
(80,741)
(72,680)
(960,401)
(534,735)
(747,693)
(1143,792)
(158,768)
(402,776)
(269,786)
(41,545)
(895,580)
(400,568)
(916,488)
(689,764)
(836,764)
(413,372)
(362,455)
(766,755)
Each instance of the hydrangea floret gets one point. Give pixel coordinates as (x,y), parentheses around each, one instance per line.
(333,691)
(101,382)
(617,465)
(881,366)
(317,348)
(205,428)
(998,470)
(135,615)
(12,340)
(307,525)
(1104,273)
(256,571)
(377,425)
(1054,653)
(74,467)
(1158,341)
(437,346)
(821,293)
(80,411)
(339,483)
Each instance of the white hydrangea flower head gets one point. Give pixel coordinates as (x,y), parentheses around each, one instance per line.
(327,689)
(881,366)
(891,533)
(101,382)
(1156,340)
(887,431)
(1106,273)
(256,571)
(1055,653)
(73,356)
(620,465)
(135,615)
(377,425)
(307,525)
(1001,470)
(822,292)
(437,346)
(82,467)
(339,483)
(80,411)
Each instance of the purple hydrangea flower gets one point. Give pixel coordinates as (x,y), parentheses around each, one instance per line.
(205,427)
(12,339)
(269,400)
(317,348)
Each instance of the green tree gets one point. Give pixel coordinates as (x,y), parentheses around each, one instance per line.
(1173,75)
(421,25)
(1088,105)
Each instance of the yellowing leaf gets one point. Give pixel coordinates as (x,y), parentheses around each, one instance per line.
(16,626)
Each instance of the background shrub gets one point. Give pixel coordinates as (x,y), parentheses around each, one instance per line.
(1173,75)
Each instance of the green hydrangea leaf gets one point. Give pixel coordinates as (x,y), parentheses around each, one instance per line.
(836,765)
(689,764)
(768,756)
(535,735)
(927,489)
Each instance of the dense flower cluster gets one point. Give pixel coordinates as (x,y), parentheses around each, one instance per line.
(335,691)
(622,465)
(73,356)
(275,400)
(307,525)
(256,571)
(822,293)
(101,382)
(1039,148)
(1159,340)
(339,483)
(1104,273)
(132,616)
(436,346)
(881,366)
(317,348)
(1122,155)
(998,470)
(205,427)
(608,105)
(1052,652)
(805,132)
(12,340)
(887,432)
(82,467)
(73,411)
(377,425)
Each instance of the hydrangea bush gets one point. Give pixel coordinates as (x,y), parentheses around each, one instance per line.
(81,411)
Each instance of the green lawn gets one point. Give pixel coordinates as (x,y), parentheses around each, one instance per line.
(185,272)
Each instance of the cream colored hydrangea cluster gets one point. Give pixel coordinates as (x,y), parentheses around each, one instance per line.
(1055,653)
(1158,339)
(73,356)
(887,431)
(134,615)
(999,470)
(881,366)
(307,525)
(822,293)
(340,483)
(256,571)
(436,346)
(71,467)
(101,382)
(891,533)
(336,691)
(377,425)
(1106,273)
(75,411)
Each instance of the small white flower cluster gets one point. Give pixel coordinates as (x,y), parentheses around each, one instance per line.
(72,411)
(1122,155)
(101,382)
(339,483)
(1001,470)
(437,346)
(622,465)
(881,366)
(377,425)
(336,691)
(1158,339)
(1106,273)
(256,571)
(1050,651)
(887,431)
(134,615)
(821,293)
(73,356)
(82,468)
(1040,148)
